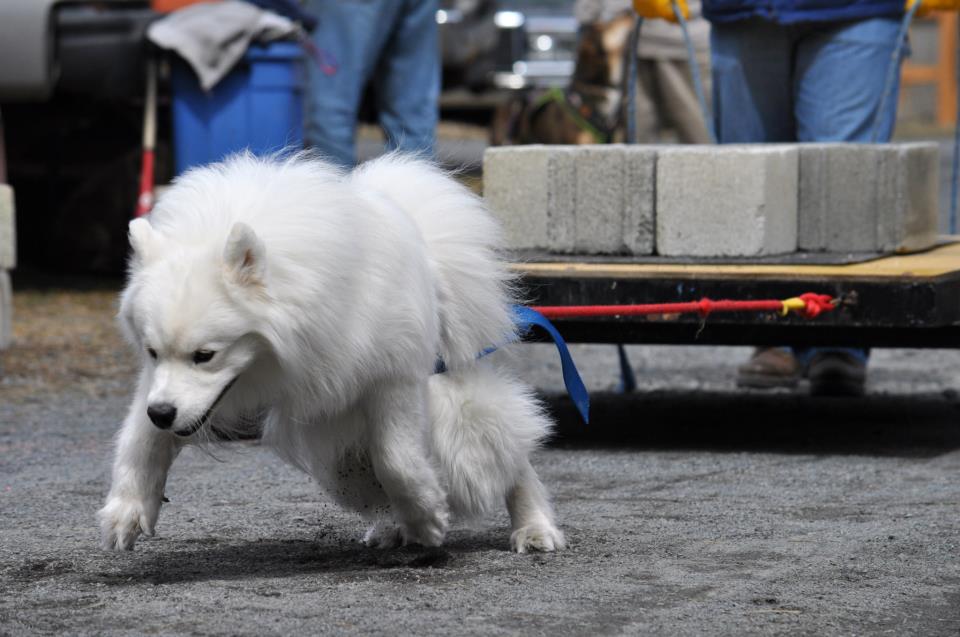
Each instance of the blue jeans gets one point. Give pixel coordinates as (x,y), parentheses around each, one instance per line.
(810,82)
(391,44)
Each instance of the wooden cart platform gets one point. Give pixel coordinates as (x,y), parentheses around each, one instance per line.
(895,301)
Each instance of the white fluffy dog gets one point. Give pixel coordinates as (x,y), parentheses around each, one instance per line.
(320,302)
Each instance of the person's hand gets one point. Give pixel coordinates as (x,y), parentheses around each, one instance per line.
(665,8)
(926,6)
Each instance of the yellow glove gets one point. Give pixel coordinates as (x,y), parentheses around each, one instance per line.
(928,6)
(664,8)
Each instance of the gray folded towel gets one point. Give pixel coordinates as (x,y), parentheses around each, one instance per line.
(213,36)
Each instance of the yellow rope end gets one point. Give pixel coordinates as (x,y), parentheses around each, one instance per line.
(796,304)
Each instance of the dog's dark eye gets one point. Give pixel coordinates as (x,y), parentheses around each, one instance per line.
(152,352)
(202,356)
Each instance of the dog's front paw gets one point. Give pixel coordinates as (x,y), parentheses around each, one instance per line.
(538,537)
(383,535)
(428,530)
(123,519)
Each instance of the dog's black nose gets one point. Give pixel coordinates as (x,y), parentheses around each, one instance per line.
(162,414)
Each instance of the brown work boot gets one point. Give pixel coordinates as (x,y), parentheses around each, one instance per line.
(768,368)
(837,373)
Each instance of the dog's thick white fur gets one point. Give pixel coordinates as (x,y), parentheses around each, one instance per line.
(319,301)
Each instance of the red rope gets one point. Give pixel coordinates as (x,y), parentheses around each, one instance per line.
(813,305)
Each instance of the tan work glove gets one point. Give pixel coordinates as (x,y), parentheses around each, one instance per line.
(926,7)
(664,8)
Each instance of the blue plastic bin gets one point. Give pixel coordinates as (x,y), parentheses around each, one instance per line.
(257,106)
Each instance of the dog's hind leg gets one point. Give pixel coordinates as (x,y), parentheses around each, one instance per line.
(485,426)
(397,444)
(531,515)
(143,458)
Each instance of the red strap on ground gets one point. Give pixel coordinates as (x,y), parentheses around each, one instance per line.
(807,305)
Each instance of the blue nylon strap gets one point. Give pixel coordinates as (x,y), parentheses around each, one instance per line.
(525,319)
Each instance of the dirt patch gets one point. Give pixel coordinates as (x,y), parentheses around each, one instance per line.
(65,339)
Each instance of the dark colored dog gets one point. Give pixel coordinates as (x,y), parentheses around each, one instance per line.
(589,110)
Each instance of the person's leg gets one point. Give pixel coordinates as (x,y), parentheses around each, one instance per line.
(647,112)
(407,80)
(679,104)
(834,371)
(349,37)
(752,66)
(841,76)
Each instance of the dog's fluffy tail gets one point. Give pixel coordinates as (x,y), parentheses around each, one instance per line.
(475,288)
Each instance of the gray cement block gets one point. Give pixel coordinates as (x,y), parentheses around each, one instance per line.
(532,191)
(596,199)
(867,197)
(838,196)
(600,198)
(615,199)
(734,200)
(912,222)
(6,310)
(8,243)
(639,217)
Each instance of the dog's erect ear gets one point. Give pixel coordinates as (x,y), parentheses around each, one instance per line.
(143,239)
(244,255)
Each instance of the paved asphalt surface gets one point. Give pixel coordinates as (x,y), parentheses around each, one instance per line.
(690,508)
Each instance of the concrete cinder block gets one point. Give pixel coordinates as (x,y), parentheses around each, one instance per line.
(8,243)
(6,310)
(911,223)
(532,191)
(868,197)
(583,199)
(735,200)
(639,217)
(615,201)
(838,196)
(600,199)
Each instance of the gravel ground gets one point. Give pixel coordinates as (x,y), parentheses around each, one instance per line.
(690,508)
